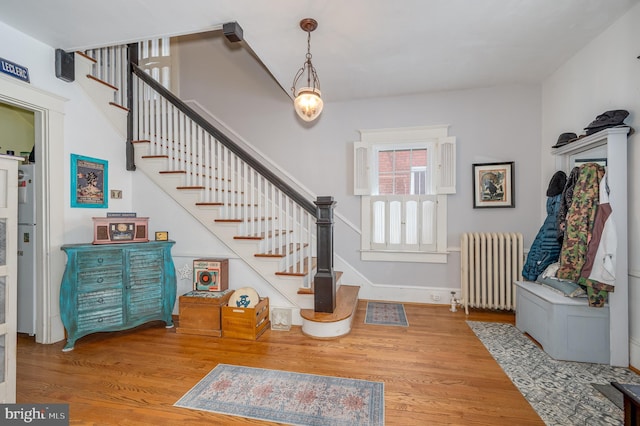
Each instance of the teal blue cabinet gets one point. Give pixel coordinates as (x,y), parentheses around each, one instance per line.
(114,287)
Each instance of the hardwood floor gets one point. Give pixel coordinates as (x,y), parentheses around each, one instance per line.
(435,371)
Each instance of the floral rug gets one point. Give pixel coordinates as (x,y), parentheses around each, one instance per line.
(561,392)
(285,397)
(386,314)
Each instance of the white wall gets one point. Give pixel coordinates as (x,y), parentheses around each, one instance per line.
(604,75)
(87,132)
(83,131)
(491,124)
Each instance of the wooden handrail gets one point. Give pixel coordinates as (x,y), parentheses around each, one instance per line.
(224,140)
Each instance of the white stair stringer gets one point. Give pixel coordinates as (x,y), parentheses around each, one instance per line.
(287,286)
(101,94)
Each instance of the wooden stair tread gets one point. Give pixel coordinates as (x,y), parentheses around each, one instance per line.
(262,236)
(294,270)
(111,86)
(255,219)
(124,108)
(218,203)
(209,203)
(84,55)
(282,251)
(346,302)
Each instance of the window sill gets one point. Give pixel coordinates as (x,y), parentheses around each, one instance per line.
(403,256)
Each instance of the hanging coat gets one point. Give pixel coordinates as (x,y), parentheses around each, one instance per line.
(567,196)
(579,221)
(599,270)
(546,248)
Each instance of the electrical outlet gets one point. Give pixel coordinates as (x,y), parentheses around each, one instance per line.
(435,297)
(116,194)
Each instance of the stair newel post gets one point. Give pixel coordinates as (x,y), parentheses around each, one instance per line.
(325,278)
(132,57)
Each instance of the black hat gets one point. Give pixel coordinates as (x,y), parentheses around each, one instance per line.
(607,119)
(557,183)
(564,139)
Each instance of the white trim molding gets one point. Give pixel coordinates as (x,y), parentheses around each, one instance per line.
(49,150)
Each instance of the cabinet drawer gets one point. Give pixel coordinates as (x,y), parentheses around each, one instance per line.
(91,260)
(149,278)
(96,320)
(144,294)
(100,300)
(150,259)
(145,300)
(97,279)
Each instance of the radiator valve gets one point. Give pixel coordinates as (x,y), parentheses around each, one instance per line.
(454,302)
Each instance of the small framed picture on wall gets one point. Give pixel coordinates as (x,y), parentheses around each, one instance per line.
(493,185)
(89,184)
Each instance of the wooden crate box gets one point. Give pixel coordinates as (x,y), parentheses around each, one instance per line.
(245,323)
(200,312)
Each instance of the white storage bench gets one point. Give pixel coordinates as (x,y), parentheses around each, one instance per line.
(567,328)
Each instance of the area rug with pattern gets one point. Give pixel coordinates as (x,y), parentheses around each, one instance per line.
(285,397)
(561,392)
(380,313)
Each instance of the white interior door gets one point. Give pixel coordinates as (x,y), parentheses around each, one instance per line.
(8,276)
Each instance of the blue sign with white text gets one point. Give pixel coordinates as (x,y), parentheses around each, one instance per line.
(14,70)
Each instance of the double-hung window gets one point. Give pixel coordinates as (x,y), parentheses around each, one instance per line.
(403,176)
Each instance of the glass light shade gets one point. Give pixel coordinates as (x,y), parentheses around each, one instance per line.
(308,103)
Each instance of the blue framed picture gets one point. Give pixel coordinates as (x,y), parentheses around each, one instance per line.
(89,186)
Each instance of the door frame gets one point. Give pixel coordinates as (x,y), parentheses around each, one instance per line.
(48,111)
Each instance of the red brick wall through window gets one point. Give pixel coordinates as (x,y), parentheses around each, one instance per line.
(394,170)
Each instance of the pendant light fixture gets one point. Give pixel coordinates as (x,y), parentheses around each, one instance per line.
(307,102)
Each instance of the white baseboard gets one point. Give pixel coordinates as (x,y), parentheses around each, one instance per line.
(408,294)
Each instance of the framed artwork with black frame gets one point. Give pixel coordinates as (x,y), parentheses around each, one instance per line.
(89,186)
(493,185)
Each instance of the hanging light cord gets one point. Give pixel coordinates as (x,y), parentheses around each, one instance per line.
(309,59)
(311,71)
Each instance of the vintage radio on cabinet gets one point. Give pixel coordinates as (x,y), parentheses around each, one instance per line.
(109,230)
(210,274)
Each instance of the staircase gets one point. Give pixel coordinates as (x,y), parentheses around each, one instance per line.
(260,218)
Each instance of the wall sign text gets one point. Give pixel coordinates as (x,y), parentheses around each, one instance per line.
(14,70)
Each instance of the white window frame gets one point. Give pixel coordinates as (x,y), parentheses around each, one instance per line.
(419,170)
(441,165)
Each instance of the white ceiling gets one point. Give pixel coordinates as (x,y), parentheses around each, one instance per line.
(362,48)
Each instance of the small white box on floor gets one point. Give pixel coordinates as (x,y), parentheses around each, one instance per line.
(281,319)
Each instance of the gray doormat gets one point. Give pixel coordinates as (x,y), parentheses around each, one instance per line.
(612,393)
